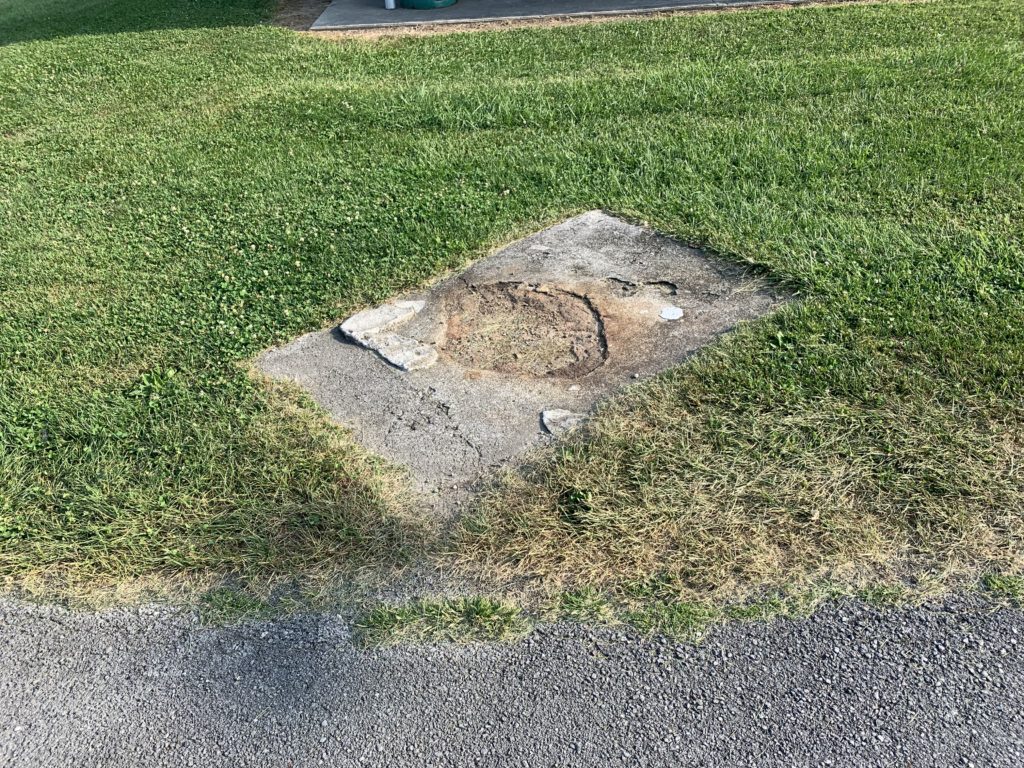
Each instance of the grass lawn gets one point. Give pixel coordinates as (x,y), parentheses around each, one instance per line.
(182,186)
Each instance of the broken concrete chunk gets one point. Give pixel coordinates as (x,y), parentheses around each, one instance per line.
(377,319)
(558,421)
(369,329)
(401,351)
(671,313)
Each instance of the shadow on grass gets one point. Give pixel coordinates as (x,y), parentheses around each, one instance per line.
(28,20)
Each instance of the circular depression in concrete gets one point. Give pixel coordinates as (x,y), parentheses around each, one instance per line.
(524,330)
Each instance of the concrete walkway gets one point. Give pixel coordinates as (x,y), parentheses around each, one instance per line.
(362,14)
(933,686)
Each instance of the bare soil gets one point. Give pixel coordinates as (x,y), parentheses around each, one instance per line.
(299,14)
(525,330)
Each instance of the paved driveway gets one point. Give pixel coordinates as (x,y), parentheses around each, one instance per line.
(936,686)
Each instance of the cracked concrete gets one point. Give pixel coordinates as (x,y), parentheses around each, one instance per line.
(510,344)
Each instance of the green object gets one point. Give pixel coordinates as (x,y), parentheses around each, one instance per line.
(427,5)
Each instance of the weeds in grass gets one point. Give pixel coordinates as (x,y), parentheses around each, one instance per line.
(728,498)
(1006,586)
(682,620)
(459,620)
(885,595)
(584,605)
(227,605)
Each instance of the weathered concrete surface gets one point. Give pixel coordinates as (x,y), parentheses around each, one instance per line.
(450,423)
(936,686)
(356,14)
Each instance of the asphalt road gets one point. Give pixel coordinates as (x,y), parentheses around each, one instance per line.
(935,686)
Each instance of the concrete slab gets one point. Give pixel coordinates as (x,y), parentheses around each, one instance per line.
(362,14)
(550,324)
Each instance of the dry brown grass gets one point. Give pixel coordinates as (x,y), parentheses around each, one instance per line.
(724,504)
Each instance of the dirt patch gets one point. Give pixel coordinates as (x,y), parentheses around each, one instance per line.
(525,330)
(298,15)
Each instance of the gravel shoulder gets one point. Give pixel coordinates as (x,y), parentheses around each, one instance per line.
(939,685)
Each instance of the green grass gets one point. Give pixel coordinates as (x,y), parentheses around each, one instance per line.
(181,187)
(225,605)
(1005,586)
(459,620)
(28,20)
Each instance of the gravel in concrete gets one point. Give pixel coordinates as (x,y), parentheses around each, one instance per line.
(934,686)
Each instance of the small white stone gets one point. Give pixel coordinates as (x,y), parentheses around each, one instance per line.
(671,313)
(558,421)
